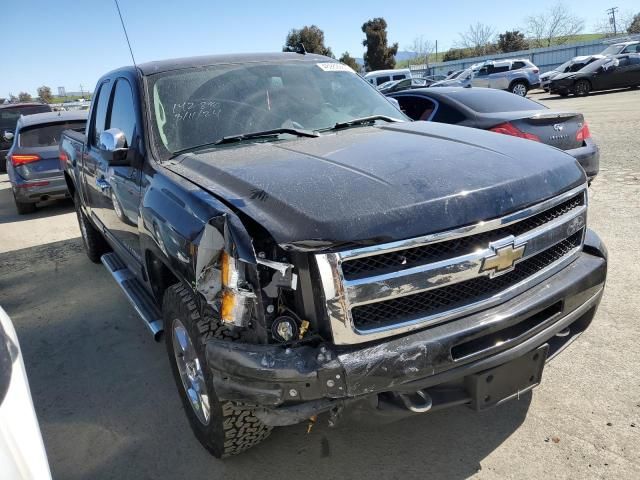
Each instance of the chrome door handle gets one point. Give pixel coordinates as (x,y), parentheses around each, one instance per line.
(102,184)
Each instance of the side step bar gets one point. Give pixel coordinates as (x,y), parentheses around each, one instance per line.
(136,293)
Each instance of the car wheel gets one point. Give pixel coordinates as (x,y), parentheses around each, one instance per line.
(3,165)
(224,428)
(519,88)
(563,94)
(24,208)
(582,88)
(94,243)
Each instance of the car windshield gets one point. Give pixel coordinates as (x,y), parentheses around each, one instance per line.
(9,116)
(453,75)
(612,50)
(47,135)
(564,67)
(200,106)
(593,66)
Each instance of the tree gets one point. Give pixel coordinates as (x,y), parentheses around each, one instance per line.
(512,41)
(422,48)
(44,93)
(634,24)
(478,39)
(554,26)
(311,37)
(24,97)
(350,61)
(379,55)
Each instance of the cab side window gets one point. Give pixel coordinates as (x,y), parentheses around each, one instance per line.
(123,113)
(415,107)
(98,120)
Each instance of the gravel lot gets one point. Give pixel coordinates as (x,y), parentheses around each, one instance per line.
(108,407)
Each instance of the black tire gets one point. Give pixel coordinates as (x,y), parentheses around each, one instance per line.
(3,165)
(94,243)
(582,88)
(231,428)
(564,94)
(519,88)
(24,208)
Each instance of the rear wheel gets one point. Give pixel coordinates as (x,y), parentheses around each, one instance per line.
(582,88)
(24,208)
(222,427)
(519,88)
(563,94)
(94,243)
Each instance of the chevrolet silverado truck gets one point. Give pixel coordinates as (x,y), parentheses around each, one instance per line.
(307,249)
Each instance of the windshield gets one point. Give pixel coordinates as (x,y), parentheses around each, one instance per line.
(198,106)
(612,50)
(453,75)
(592,67)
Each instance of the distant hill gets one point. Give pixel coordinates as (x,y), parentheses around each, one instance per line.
(403,56)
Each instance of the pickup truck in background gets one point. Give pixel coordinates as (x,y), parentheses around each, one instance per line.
(306,248)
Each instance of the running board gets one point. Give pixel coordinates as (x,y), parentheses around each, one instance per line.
(135,292)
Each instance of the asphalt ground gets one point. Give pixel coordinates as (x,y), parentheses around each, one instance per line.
(108,407)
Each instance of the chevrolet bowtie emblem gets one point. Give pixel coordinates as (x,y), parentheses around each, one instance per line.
(503,259)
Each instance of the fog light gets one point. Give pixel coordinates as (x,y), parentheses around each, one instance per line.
(284,329)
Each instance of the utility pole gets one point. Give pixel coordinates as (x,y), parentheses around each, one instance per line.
(436,51)
(81,91)
(612,18)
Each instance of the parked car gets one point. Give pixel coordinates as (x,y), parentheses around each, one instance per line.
(406,84)
(617,71)
(622,47)
(502,112)
(379,77)
(573,65)
(22,453)
(32,161)
(461,78)
(9,115)
(306,248)
(516,76)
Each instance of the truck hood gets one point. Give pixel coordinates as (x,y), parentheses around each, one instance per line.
(370,185)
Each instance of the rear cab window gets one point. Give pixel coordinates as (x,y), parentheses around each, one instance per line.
(47,135)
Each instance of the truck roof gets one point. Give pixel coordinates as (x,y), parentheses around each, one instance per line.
(150,68)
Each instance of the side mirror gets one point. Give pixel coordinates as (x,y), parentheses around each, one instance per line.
(113,143)
(8,136)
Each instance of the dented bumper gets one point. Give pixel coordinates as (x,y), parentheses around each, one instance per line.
(290,384)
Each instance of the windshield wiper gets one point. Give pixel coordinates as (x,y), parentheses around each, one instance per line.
(363,121)
(246,136)
(266,133)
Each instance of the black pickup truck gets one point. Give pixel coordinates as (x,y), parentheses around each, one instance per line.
(307,249)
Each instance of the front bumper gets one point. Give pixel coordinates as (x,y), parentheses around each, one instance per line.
(287,385)
(588,156)
(41,189)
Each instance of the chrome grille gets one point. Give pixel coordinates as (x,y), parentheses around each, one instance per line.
(378,291)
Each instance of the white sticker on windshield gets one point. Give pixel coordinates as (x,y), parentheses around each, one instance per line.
(334,67)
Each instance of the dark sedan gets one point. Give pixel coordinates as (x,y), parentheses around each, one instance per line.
(33,164)
(503,112)
(406,84)
(618,71)
(9,115)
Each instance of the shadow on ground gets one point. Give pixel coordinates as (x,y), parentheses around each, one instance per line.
(8,213)
(108,408)
(592,94)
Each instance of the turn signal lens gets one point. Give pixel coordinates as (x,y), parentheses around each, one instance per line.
(237,303)
(509,129)
(583,133)
(23,159)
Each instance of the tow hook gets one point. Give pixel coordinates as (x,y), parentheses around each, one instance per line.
(418,402)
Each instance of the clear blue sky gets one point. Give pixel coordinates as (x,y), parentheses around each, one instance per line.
(72,42)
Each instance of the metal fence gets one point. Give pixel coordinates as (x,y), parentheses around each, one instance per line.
(544,58)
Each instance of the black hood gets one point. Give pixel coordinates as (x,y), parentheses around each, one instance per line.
(380,184)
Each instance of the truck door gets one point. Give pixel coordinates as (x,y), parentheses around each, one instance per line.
(119,184)
(91,184)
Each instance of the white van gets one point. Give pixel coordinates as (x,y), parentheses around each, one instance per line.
(379,77)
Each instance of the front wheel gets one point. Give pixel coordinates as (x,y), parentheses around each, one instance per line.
(520,89)
(222,427)
(94,243)
(582,88)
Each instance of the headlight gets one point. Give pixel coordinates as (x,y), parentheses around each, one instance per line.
(237,302)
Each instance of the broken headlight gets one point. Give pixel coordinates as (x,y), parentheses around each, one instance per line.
(237,300)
